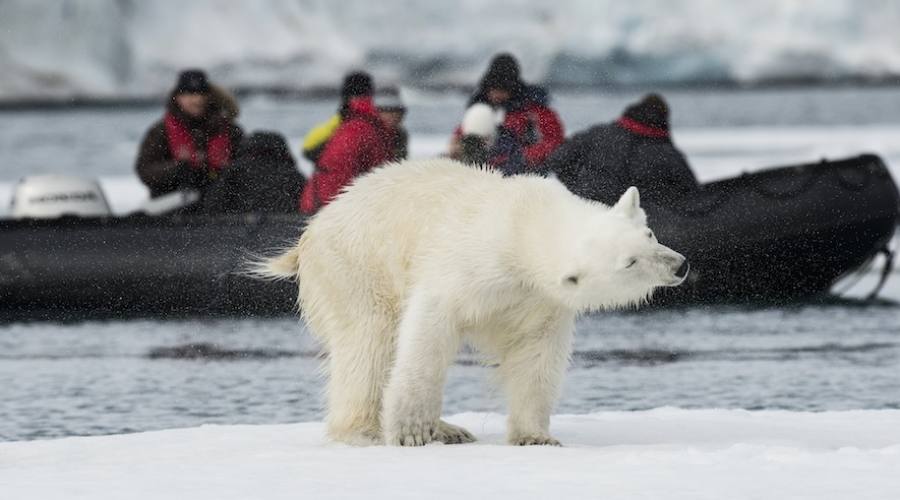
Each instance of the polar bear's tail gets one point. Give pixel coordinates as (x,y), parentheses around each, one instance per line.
(284,266)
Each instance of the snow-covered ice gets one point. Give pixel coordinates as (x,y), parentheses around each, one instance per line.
(663,453)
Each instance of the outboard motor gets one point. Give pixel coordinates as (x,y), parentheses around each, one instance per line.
(50,196)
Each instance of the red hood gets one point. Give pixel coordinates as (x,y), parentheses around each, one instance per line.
(643,129)
(363,105)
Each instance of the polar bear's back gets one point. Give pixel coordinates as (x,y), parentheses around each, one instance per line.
(402,197)
(383,224)
(425,185)
(398,203)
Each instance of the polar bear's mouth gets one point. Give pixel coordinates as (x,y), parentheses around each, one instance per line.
(681,273)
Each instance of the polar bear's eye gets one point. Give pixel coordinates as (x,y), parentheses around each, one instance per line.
(631,263)
(650,234)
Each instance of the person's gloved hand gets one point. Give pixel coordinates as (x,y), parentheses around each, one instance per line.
(183,154)
(190,177)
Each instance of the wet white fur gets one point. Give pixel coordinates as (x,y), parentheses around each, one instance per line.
(416,258)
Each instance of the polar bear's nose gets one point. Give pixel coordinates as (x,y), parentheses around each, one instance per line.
(683,270)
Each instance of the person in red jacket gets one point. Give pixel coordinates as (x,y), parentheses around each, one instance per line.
(528,114)
(359,144)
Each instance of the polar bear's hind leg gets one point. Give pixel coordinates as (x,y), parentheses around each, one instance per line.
(358,366)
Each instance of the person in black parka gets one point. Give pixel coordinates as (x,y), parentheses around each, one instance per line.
(262,179)
(600,163)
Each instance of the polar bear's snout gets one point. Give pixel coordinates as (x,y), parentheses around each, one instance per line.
(675,267)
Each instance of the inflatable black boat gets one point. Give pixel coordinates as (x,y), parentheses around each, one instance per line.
(771,236)
(782,234)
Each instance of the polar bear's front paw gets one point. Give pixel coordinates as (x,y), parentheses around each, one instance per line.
(534,440)
(451,434)
(412,434)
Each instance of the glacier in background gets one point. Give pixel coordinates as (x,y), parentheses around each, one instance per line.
(115,48)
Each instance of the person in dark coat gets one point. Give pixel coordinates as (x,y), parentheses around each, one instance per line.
(359,144)
(528,114)
(391,110)
(600,163)
(193,142)
(262,179)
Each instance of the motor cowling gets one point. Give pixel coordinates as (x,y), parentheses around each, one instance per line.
(51,196)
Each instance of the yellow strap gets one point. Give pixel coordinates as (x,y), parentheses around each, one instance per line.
(321,133)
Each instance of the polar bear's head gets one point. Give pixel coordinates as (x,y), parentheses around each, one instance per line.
(615,259)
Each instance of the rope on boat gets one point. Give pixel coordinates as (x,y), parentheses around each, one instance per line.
(854,277)
(762,185)
(885,272)
(865,268)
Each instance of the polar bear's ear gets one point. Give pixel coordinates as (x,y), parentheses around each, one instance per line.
(629,204)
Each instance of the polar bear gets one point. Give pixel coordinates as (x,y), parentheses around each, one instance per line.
(417,257)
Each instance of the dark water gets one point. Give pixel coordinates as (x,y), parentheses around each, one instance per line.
(113,377)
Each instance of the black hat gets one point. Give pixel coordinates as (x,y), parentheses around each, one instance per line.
(503,73)
(192,81)
(356,84)
(652,110)
(265,145)
(388,99)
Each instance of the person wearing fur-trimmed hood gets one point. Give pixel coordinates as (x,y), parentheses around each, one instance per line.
(193,142)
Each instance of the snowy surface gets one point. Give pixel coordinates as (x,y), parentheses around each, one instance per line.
(663,453)
(102,48)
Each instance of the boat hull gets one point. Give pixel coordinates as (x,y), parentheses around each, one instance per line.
(782,234)
(141,266)
(771,237)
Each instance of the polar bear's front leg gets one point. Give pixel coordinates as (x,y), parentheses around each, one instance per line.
(427,342)
(532,373)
